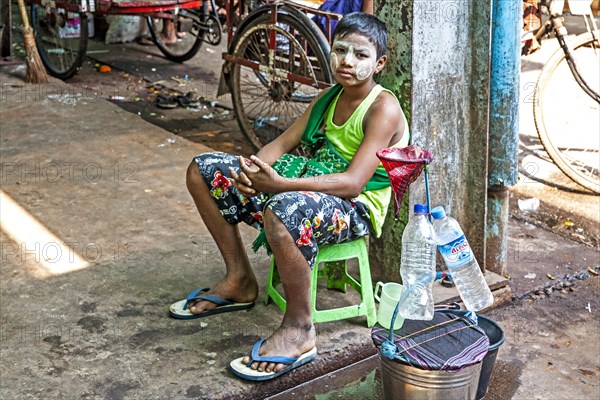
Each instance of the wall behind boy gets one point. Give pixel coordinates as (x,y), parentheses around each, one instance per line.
(384,253)
(439,63)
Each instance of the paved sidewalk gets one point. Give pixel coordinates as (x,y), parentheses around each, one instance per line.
(561,199)
(112,186)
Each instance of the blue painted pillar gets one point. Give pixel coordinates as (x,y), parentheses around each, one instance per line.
(503,127)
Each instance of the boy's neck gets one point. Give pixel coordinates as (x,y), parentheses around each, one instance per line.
(359,92)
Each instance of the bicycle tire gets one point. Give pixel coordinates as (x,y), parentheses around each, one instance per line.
(281,100)
(576,155)
(60,42)
(187,46)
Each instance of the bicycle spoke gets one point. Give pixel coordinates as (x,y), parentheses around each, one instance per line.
(274,101)
(253,111)
(251,108)
(61,39)
(255,48)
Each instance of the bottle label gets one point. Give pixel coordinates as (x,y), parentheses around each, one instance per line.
(456,253)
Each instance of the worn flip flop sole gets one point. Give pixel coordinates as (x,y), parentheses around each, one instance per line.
(176,310)
(166,102)
(240,369)
(188,100)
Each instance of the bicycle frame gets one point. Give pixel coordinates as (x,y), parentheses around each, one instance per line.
(146,8)
(279,51)
(247,5)
(274,7)
(229,16)
(555,24)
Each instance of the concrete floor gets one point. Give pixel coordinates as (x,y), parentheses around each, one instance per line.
(111,184)
(561,199)
(548,353)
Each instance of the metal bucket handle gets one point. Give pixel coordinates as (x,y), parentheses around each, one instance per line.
(388,348)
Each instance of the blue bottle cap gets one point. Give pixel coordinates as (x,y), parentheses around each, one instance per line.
(438,212)
(421,209)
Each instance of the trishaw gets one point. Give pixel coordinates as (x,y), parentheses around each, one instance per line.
(275,64)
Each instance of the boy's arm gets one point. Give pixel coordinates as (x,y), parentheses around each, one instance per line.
(383,126)
(367,6)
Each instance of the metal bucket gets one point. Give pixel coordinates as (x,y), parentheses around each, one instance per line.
(401,381)
(496,335)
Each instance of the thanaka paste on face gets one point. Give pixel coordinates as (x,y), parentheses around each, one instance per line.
(364,68)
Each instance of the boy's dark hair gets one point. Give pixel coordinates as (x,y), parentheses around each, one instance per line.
(366,25)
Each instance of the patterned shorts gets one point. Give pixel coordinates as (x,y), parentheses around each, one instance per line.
(312,218)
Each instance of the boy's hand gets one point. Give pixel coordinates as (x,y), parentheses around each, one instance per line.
(240,181)
(256,176)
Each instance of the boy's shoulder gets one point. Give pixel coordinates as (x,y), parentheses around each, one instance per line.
(388,96)
(385,105)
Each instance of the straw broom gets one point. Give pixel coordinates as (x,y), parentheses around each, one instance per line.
(36,73)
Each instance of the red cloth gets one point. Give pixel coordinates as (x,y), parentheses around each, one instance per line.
(403,165)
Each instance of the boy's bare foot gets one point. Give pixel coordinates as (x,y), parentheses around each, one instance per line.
(168,39)
(144,41)
(239,291)
(172,38)
(290,340)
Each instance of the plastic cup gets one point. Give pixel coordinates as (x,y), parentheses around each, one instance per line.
(390,294)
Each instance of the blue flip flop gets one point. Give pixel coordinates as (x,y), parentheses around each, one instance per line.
(180,309)
(244,371)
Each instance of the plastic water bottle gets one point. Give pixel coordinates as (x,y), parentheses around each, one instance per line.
(461,262)
(417,266)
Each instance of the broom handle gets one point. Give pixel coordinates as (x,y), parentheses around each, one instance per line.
(24,14)
(24,18)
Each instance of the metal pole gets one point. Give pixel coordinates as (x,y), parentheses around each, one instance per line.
(503,127)
(427,193)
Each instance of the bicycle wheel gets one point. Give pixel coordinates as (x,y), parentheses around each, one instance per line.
(267,99)
(190,34)
(561,109)
(61,39)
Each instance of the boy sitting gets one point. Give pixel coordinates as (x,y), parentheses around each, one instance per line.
(346,125)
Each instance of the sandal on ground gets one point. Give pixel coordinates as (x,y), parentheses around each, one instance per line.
(180,309)
(244,371)
(168,102)
(188,100)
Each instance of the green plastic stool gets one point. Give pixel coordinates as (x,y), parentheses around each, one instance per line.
(334,270)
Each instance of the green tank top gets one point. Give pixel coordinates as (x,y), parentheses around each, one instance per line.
(347,138)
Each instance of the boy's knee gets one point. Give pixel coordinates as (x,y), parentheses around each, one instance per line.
(274,228)
(193,173)
(279,236)
(193,170)
(201,158)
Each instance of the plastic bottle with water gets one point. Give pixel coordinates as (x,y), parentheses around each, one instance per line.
(417,266)
(461,262)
